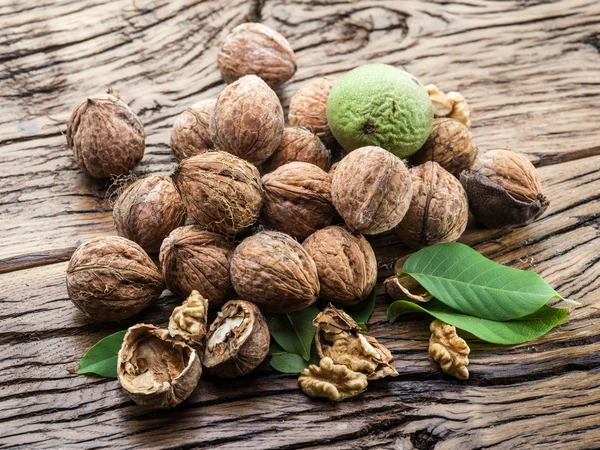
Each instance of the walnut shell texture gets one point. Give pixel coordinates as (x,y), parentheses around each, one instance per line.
(106,136)
(308,108)
(148,210)
(112,278)
(273,270)
(346,264)
(195,259)
(439,209)
(298,144)
(191,133)
(248,120)
(297,199)
(221,191)
(371,190)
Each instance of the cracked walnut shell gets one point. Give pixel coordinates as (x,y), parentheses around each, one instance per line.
(308,108)
(298,144)
(188,322)
(449,350)
(333,381)
(191,133)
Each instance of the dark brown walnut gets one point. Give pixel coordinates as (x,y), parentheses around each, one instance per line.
(345,262)
(195,259)
(273,270)
(340,338)
(221,191)
(297,199)
(148,210)
(106,136)
(189,321)
(248,120)
(298,144)
(156,370)
(112,278)
(308,108)
(504,190)
(450,144)
(191,133)
(238,340)
(439,209)
(371,190)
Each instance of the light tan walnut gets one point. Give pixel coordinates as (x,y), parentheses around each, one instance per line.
(333,381)
(449,350)
(452,105)
(189,321)
(308,108)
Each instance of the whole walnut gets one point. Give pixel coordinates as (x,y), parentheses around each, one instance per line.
(345,262)
(195,259)
(148,210)
(504,190)
(221,191)
(112,278)
(450,144)
(255,49)
(106,136)
(298,144)
(191,133)
(297,199)
(371,190)
(248,120)
(308,108)
(439,209)
(273,270)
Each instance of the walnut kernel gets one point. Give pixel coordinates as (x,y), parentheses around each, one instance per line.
(188,321)
(333,381)
(452,105)
(449,350)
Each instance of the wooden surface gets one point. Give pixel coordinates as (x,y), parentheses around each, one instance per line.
(531,72)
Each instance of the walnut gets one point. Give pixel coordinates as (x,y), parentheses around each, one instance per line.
(298,144)
(155,370)
(452,105)
(188,322)
(297,199)
(255,49)
(504,190)
(148,210)
(273,270)
(248,120)
(221,191)
(405,287)
(449,350)
(112,278)
(439,209)
(371,190)
(191,133)
(238,340)
(106,136)
(450,144)
(345,262)
(333,381)
(308,108)
(195,259)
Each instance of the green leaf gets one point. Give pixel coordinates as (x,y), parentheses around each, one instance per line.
(294,331)
(468,282)
(361,312)
(275,349)
(288,363)
(516,331)
(101,359)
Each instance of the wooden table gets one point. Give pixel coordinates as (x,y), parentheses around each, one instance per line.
(531,72)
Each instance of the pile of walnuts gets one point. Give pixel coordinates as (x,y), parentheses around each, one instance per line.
(255,219)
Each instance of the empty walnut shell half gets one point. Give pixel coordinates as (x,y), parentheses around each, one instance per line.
(238,340)
(298,144)
(191,133)
(504,190)
(308,108)
(273,270)
(188,321)
(112,278)
(106,136)
(155,370)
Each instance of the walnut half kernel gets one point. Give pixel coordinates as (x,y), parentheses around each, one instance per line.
(189,322)
(449,350)
(333,381)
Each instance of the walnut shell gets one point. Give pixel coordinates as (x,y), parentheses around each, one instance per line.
(298,144)
(221,191)
(148,210)
(308,108)
(272,270)
(195,259)
(112,278)
(248,120)
(371,190)
(106,136)
(238,340)
(504,190)
(156,370)
(450,144)
(439,209)
(191,133)
(297,199)
(346,264)
(255,49)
